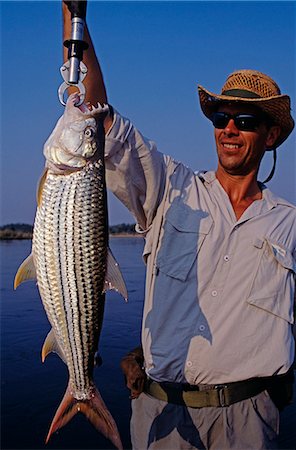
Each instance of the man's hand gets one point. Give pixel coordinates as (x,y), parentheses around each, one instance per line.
(77,8)
(93,82)
(132,367)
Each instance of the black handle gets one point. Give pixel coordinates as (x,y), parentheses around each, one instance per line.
(77,8)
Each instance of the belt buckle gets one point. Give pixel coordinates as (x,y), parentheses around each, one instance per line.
(221,394)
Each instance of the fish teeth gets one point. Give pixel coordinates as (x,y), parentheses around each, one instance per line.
(100,108)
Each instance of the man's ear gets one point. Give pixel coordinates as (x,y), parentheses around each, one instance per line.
(272,135)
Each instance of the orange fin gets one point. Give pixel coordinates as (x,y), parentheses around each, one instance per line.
(25,272)
(40,186)
(94,409)
(51,345)
(113,277)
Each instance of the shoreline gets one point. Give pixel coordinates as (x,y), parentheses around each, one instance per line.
(21,231)
(18,237)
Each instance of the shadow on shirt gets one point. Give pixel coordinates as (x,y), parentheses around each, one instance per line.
(176,317)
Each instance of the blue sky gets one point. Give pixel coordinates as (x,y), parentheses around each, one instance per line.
(153,55)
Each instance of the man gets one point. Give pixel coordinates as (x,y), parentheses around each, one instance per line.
(220,254)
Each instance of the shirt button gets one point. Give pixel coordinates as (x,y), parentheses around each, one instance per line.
(189,364)
(226,258)
(214,293)
(202,328)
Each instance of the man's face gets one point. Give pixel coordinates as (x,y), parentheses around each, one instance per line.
(240,152)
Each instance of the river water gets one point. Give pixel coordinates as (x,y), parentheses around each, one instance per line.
(31,391)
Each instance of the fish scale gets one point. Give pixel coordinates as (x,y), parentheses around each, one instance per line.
(77,251)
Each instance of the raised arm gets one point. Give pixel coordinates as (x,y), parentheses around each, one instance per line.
(94,82)
(135,170)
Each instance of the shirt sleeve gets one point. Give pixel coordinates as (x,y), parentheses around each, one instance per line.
(135,170)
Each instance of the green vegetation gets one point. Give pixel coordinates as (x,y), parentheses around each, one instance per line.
(25,231)
(16,231)
(122,228)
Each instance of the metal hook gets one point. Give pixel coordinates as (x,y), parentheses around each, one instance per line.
(64,86)
(65,70)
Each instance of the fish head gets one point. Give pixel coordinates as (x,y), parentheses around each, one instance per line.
(77,138)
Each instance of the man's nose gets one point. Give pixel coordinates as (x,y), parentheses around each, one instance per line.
(231,128)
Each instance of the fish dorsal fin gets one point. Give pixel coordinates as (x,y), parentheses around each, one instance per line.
(40,186)
(51,345)
(113,278)
(25,272)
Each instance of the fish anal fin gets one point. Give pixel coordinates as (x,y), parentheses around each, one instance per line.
(113,278)
(93,408)
(40,186)
(25,272)
(51,345)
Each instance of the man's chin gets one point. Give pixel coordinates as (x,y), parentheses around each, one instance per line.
(234,170)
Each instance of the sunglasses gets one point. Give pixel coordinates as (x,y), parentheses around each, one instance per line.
(243,122)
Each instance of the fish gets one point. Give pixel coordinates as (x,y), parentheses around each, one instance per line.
(71,259)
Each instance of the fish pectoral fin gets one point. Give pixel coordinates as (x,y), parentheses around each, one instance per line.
(51,345)
(40,186)
(93,408)
(25,272)
(113,278)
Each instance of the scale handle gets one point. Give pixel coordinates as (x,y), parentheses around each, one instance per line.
(76,45)
(77,8)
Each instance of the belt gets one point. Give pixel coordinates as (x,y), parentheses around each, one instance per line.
(219,395)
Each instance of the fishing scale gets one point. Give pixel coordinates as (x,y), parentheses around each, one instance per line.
(74,70)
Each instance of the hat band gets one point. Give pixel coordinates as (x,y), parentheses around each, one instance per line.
(240,93)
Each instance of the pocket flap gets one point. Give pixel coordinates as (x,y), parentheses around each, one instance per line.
(283,255)
(274,306)
(185,229)
(183,218)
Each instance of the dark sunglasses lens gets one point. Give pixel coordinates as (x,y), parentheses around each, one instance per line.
(247,122)
(243,122)
(220,120)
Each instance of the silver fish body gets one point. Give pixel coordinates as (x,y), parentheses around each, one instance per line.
(71,260)
(69,249)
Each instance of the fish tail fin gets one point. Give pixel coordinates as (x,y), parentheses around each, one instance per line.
(94,409)
(67,409)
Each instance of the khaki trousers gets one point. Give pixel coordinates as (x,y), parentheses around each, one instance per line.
(251,424)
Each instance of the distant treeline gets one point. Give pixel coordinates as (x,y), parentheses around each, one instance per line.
(16,231)
(25,231)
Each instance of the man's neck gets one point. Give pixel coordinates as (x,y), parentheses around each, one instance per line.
(242,190)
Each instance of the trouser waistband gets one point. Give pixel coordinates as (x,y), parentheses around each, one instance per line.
(219,395)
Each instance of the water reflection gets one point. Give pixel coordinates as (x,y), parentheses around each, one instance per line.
(30,390)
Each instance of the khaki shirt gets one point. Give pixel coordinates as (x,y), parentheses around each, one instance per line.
(219,291)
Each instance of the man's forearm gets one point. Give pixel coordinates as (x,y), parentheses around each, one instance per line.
(94,83)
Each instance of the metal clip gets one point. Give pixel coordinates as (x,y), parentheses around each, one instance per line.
(65,72)
(221,394)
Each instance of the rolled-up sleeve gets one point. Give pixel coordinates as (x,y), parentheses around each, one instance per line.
(135,170)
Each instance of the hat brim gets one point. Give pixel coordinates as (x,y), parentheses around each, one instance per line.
(276,107)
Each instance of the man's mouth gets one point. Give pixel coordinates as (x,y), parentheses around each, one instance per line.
(230,146)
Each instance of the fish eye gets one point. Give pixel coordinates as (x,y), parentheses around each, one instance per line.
(89,133)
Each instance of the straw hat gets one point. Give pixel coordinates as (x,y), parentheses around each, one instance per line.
(255,88)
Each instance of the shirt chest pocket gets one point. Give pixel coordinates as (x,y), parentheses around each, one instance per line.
(184,232)
(273,284)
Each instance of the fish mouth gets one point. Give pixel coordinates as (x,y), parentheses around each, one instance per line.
(87,109)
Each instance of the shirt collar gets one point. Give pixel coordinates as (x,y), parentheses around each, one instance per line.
(209,176)
(271,199)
